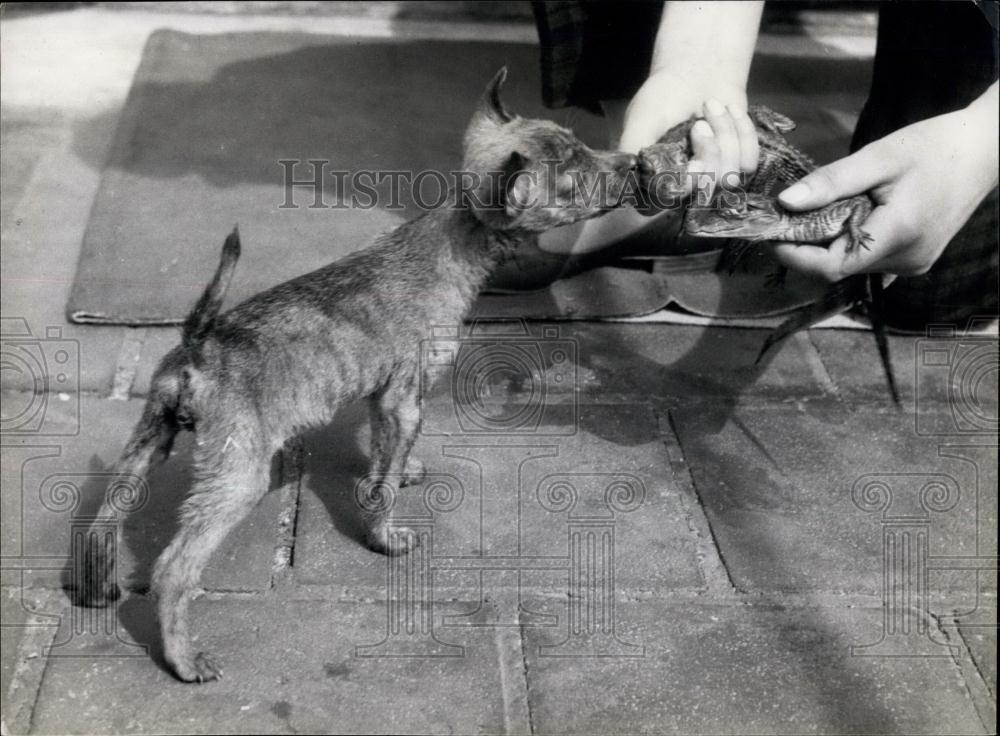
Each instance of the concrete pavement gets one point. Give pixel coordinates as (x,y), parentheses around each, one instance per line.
(668,540)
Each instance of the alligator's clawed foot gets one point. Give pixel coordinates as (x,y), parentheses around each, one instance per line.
(858,238)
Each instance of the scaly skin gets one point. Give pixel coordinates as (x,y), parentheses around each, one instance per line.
(663,166)
(763,218)
(663,170)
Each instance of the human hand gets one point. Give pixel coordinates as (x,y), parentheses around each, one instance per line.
(926,180)
(725,141)
(666,99)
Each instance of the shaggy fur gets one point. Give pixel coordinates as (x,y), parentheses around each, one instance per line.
(286,359)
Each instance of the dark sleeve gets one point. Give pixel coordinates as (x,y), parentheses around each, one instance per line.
(593,51)
(931,58)
(934,58)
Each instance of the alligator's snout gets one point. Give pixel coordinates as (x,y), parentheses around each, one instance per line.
(708,221)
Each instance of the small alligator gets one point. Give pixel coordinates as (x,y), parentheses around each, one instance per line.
(663,166)
(763,218)
(663,170)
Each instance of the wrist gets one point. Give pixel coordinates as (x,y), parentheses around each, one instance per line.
(672,84)
(681,97)
(708,45)
(981,123)
(665,99)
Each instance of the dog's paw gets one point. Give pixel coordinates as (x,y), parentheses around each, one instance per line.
(199,669)
(393,542)
(414,472)
(95,595)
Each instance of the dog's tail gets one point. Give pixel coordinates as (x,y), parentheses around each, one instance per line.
(199,322)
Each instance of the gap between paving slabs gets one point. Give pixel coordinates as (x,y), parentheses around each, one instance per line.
(485,499)
(285,535)
(290,666)
(540,605)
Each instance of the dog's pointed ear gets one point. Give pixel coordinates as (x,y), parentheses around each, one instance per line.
(490,105)
(519,185)
(481,136)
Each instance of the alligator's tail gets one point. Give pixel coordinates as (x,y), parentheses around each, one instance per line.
(876,313)
(839,297)
(201,319)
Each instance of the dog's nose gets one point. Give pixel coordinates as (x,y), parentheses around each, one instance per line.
(646,167)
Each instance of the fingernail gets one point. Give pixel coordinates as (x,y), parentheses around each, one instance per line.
(795,194)
(714,107)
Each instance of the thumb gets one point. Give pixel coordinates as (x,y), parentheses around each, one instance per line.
(855,174)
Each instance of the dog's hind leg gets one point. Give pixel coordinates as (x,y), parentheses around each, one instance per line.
(395,417)
(149,446)
(232,472)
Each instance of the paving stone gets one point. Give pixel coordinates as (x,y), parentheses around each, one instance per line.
(290,666)
(982,643)
(930,372)
(45,352)
(38,254)
(27,628)
(11,636)
(51,482)
(617,362)
(609,460)
(25,135)
(676,363)
(612,361)
(777,483)
(740,670)
(852,360)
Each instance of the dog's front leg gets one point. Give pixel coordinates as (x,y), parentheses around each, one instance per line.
(395,419)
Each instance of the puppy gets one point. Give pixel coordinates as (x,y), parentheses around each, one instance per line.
(284,360)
